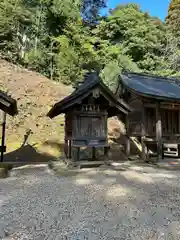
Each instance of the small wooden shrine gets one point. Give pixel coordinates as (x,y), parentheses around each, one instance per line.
(8,105)
(86,111)
(155,118)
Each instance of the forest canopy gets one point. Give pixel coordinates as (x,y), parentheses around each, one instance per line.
(63,39)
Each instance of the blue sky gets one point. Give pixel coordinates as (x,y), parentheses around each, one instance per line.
(154,7)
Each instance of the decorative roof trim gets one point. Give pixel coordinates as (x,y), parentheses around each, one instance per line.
(83,91)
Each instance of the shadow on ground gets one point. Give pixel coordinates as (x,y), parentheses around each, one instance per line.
(27,154)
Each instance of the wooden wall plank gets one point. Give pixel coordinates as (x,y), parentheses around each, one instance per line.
(128,143)
(158,131)
(143,133)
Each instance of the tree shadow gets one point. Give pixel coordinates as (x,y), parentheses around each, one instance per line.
(27,154)
(26,137)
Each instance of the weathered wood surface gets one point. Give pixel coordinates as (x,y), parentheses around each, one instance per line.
(86,126)
(161,122)
(90,122)
(128,141)
(158,131)
(166,105)
(143,133)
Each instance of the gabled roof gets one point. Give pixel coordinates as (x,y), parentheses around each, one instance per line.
(8,104)
(152,86)
(91,82)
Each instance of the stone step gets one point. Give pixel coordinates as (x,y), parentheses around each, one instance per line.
(89,164)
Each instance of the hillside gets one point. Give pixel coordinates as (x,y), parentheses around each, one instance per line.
(35,94)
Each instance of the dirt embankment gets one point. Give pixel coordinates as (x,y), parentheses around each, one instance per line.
(35,94)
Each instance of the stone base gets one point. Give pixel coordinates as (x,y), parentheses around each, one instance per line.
(4,173)
(89,164)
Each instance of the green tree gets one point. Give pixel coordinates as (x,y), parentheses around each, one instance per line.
(140,36)
(14,18)
(50,18)
(63,39)
(91,10)
(173,18)
(75,53)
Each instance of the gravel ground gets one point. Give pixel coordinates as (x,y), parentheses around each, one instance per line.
(142,203)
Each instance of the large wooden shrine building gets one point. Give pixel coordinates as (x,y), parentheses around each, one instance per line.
(155,119)
(86,111)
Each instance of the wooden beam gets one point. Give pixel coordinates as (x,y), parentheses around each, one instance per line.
(179,121)
(178,150)
(149,123)
(158,131)
(106,152)
(128,143)
(93,153)
(143,133)
(3,136)
(70,149)
(170,106)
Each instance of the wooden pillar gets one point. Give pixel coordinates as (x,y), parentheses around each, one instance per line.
(179,121)
(70,149)
(179,131)
(76,154)
(93,153)
(106,152)
(178,150)
(143,134)
(66,147)
(158,131)
(128,143)
(3,136)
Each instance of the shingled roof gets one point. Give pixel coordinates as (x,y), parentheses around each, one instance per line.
(91,82)
(151,86)
(8,104)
